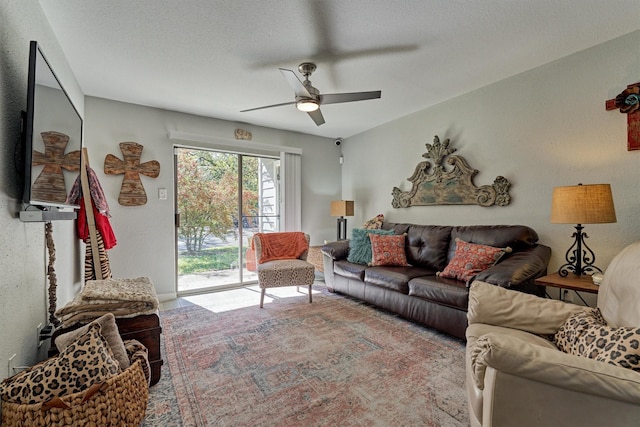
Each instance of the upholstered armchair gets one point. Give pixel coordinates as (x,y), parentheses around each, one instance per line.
(282,261)
(517,376)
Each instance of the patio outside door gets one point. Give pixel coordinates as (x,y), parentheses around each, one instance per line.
(222,199)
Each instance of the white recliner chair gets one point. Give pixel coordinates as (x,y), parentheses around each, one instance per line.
(516,376)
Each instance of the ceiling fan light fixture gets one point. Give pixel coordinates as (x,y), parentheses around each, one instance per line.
(307,105)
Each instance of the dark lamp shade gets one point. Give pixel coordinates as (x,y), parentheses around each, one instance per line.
(582,204)
(342,208)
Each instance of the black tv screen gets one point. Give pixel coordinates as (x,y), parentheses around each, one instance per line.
(52,137)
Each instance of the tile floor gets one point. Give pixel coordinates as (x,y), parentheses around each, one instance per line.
(232,299)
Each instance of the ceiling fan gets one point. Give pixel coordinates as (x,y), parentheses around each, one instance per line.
(309,99)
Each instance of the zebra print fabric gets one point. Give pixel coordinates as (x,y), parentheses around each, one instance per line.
(105,267)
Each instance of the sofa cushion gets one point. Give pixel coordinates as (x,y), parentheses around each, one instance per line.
(109,331)
(519,267)
(469,259)
(576,326)
(349,270)
(394,278)
(587,334)
(85,361)
(360,245)
(517,237)
(395,227)
(427,245)
(374,223)
(388,250)
(450,292)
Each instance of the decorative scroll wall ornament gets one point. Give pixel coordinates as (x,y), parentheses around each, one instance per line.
(243,134)
(131,191)
(433,185)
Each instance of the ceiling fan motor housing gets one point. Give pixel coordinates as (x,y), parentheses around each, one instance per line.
(306,68)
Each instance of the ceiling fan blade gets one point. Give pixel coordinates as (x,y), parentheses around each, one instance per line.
(317,117)
(268,106)
(295,83)
(335,98)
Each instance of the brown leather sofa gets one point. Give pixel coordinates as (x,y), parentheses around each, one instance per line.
(416,293)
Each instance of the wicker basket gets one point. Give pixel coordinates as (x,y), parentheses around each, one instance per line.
(119,401)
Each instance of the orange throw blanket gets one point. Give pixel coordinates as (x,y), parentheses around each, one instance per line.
(284,245)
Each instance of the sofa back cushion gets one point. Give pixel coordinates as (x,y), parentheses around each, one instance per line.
(433,246)
(397,228)
(426,245)
(517,237)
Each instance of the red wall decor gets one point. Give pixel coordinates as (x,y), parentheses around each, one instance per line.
(628,102)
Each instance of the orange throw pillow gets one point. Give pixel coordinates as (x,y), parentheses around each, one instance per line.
(388,249)
(470,259)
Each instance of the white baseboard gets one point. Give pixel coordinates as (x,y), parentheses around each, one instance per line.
(167,297)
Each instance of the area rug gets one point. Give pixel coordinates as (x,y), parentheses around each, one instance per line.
(335,362)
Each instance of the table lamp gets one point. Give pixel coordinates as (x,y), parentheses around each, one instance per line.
(342,208)
(581,204)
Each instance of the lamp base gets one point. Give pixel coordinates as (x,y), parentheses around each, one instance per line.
(580,258)
(342,228)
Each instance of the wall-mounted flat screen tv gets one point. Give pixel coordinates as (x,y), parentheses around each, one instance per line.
(52,137)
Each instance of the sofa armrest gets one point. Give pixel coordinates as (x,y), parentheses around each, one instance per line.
(519,268)
(336,250)
(517,357)
(498,306)
(331,252)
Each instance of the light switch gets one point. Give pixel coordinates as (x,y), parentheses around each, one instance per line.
(162,193)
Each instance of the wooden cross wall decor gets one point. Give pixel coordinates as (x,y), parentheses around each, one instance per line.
(628,102)
(49,186)
(131,191)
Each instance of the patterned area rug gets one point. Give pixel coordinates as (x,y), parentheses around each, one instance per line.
(333,362)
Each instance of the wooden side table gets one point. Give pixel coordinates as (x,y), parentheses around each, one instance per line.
(571,282)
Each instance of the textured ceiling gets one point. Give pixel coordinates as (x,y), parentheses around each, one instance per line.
(216,57)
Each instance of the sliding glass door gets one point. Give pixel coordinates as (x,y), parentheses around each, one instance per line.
(222,199)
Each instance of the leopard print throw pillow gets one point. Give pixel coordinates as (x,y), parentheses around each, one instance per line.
(86,361)
(587,334)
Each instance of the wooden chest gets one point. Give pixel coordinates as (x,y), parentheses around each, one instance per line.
(145,329)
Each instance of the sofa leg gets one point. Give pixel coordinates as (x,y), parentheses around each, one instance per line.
(262,296)
(309,294)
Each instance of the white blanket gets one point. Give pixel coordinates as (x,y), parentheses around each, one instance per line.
(122,297)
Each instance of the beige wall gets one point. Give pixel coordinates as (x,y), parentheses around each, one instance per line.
(544,128)
(146,242)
